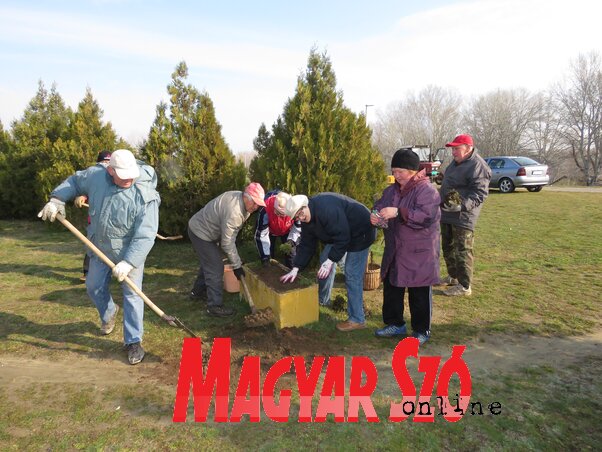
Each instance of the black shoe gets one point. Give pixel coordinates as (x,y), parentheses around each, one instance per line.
(135,353)
(197,296)
(220,311)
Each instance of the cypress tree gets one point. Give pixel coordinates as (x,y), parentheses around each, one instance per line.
(45,123)
(51,142)
(189,153)
(86,136)
(317,144)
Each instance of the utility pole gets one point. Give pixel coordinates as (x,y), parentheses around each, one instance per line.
(366,110)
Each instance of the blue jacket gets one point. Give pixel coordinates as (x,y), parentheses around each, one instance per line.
(338,220)
(123,221)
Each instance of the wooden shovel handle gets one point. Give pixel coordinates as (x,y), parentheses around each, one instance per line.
(245,288)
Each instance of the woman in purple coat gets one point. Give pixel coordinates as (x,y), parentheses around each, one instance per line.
(409,212)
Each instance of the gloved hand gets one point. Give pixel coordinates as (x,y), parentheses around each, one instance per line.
(325,269)
(265,262)
(239,272)
(451,207)
(121,270)
(51,208)
(80,201)
(290,276)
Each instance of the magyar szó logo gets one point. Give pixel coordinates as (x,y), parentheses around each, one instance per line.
(254,394)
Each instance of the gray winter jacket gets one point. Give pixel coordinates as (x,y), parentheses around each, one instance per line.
(471,180)
(219,221)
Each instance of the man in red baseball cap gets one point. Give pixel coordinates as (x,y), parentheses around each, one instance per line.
(463,190)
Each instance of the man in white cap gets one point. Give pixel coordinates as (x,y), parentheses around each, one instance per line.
(124,218)
(212,231)
(272,225)
(343,224)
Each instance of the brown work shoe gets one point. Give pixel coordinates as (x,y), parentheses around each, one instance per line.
(348,325)
(107,327)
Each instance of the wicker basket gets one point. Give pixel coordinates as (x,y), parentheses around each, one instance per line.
(372,275)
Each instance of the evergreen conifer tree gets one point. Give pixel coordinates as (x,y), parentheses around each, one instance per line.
(317,144)
(6,172)
(189,153)
(86,136)
(51,142)
(45,122)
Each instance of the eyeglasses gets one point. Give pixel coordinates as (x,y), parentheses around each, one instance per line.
(300,215)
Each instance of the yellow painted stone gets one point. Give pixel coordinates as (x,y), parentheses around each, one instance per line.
(296,307)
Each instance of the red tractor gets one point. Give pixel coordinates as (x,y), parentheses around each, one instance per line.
(430,162)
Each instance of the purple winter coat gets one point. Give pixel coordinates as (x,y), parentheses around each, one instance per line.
(411,255)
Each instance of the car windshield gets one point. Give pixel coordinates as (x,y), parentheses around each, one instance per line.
(525,161)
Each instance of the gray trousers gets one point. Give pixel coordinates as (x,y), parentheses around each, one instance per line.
(210,278)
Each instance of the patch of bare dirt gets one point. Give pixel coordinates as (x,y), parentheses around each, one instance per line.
(488,355)
(494,354)
(19,371)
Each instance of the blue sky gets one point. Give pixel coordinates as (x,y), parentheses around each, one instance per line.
(248,55)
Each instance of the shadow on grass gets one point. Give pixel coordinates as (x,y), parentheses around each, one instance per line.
(69,297)
(44,271)
(75,337)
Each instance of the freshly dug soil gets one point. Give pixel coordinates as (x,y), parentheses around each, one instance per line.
(260,318)
(271,274)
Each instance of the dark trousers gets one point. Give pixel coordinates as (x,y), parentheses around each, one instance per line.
(457,245)
(86,264)
(210,278)
(420,301)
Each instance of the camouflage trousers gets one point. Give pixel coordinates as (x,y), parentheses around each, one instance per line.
(457,245)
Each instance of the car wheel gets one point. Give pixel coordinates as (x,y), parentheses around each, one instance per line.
(506,185)
(535,189)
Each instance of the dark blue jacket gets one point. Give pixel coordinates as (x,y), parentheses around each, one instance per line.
(335,219)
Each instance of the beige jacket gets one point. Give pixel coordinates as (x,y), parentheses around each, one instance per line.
(219,221)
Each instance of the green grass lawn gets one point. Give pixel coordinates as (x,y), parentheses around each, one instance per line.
(538,280)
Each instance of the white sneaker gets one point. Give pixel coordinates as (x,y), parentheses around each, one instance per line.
(449,281)
(457,290)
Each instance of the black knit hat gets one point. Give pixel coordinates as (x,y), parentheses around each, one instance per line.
(405,158)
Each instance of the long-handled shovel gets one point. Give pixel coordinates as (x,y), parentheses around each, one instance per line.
(173,321)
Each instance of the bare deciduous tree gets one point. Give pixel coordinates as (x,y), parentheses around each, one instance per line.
(544,136)
(498,121)
(432,118)
(580,99)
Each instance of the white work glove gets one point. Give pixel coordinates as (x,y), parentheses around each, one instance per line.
(325,269)
(80,201)
(51,208)
(290,276)
(121,270)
